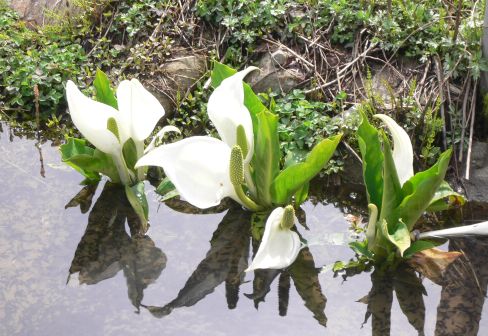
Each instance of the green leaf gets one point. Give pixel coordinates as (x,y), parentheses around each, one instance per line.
(78,156)
(220,72)
(291,179)
(302,194)
(113,127)
(392,190)
(166,189)
(104,92)
(419,191)
(445,198)
(138,201)
(372,155)
(129,151)
(266,158)
(400,236)
(419,245)
(361,248)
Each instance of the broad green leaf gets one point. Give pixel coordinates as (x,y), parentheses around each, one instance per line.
(445,198)
(302,194)
(138,201)
(392,190)
(419,245)
(129,151)
(399,235)
(361,248)
(166,189)
(291,179)
(77,155)
(266,158)
(372,156)
(419,191)
(220,72)
(104,92)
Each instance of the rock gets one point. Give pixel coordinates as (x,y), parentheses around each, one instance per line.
(385,82)
(37,12)
(276,73)
(477,185)
(177,76)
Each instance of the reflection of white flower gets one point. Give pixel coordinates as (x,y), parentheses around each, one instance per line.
(402,149)
(199,166)
(138,113)
(280,246)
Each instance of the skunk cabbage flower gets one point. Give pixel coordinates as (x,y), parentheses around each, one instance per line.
(280,245)
(108,129)
(200,166)
(402,149)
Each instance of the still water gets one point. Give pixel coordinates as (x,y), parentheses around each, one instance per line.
(78,270)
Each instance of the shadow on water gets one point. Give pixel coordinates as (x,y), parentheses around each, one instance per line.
(105,248)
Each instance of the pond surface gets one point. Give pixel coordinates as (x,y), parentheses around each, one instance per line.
(77,271)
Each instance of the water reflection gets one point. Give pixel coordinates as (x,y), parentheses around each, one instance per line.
(305,278)
(463,289)
(409,292)
(106,247)
(226,261)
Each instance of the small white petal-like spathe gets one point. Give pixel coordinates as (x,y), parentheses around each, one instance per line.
(279,247)
(479,229)
(90,118)
(140,110)
(198,167)
(227,111)
(402,149)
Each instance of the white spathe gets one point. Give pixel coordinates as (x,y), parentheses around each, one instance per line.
(279,247)
(197,166)
(138,114)
(227,111)
(402,148)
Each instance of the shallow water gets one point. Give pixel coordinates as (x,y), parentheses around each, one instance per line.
(187,271)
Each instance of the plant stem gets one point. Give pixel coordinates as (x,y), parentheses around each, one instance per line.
(246,201)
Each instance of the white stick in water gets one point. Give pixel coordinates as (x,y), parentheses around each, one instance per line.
(480,229)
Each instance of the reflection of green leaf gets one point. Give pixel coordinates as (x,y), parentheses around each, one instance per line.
(444,198)
(137,198)
(104,92)
(88,161)
(266,157)
(372,155)
(399,235)
(226,261)
(419,245)
(306,280)
(166,189)
(291,179)
(419,190)
(409,292)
